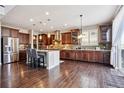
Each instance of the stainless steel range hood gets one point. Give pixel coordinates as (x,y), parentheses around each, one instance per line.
(57,36)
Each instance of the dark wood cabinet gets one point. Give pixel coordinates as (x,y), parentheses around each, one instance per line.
(44,39)
(9,32)
(66,38)
(74,36)
(105,33)
(5,31)
(91,56)
(98,57)
(63,38)
(20,38)
(106,57)
(70,37)
(85,55)
(50,39)
(65,54)
(23,38)
(26,38)
(22,55)
(14,33)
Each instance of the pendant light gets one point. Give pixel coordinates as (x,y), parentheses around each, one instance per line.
(80,36)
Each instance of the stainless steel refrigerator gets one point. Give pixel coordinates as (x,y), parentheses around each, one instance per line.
(10,50)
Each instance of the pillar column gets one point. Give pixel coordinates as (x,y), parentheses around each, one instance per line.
(37,41)
(31,38)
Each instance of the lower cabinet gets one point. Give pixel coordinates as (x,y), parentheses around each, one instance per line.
(85,55)
(106,57)
(65,54)
(22,55)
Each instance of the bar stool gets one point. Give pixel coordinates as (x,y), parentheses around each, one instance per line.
(41,59)
(37,58)
(29,55)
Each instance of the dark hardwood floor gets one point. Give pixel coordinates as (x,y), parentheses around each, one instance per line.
(70,74)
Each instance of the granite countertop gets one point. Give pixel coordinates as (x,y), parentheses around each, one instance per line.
(47,50)
(86,49)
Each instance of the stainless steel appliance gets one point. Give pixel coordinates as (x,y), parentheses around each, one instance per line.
(10,49)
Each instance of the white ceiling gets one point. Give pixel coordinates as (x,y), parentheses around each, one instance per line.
(59,15)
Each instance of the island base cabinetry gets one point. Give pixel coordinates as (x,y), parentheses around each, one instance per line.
(85,55)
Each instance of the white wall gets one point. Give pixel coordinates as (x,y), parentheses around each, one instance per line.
(117,31)
(0,42)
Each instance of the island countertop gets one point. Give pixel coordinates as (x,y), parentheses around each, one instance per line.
(47,50)
(52,58)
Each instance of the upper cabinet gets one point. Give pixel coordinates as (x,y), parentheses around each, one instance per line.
(9,32)
(5,31)
(70,37)
(14,33)
(51,39)
(66,38)
(105,34)
(23,38)
(74,36)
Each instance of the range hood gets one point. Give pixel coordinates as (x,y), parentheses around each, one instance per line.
(57,36)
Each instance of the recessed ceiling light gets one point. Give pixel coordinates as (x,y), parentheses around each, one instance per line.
(65,25)
(31,20)
(44,23)
(48,19)
(41,29)
(40,22)
(47,13)
(34,24)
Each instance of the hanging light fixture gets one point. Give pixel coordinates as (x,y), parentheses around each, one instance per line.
(80,36)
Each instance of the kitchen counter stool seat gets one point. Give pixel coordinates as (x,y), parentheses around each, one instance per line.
(37,58)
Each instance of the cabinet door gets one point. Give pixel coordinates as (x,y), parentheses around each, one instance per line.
(72,54)
(91,56)
(44,39)
(63,38)
(68,38)
(14,33)
(98,56)
(62,54)
(79,55)
(106,57)
(105,33)
(67,54)
(22,55)
(20,38)
(5,31)
(85,55)
(74,36)
(26,37)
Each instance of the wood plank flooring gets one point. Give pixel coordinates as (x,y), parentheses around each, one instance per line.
(70,74)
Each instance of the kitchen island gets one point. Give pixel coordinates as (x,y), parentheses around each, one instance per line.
(52,57)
